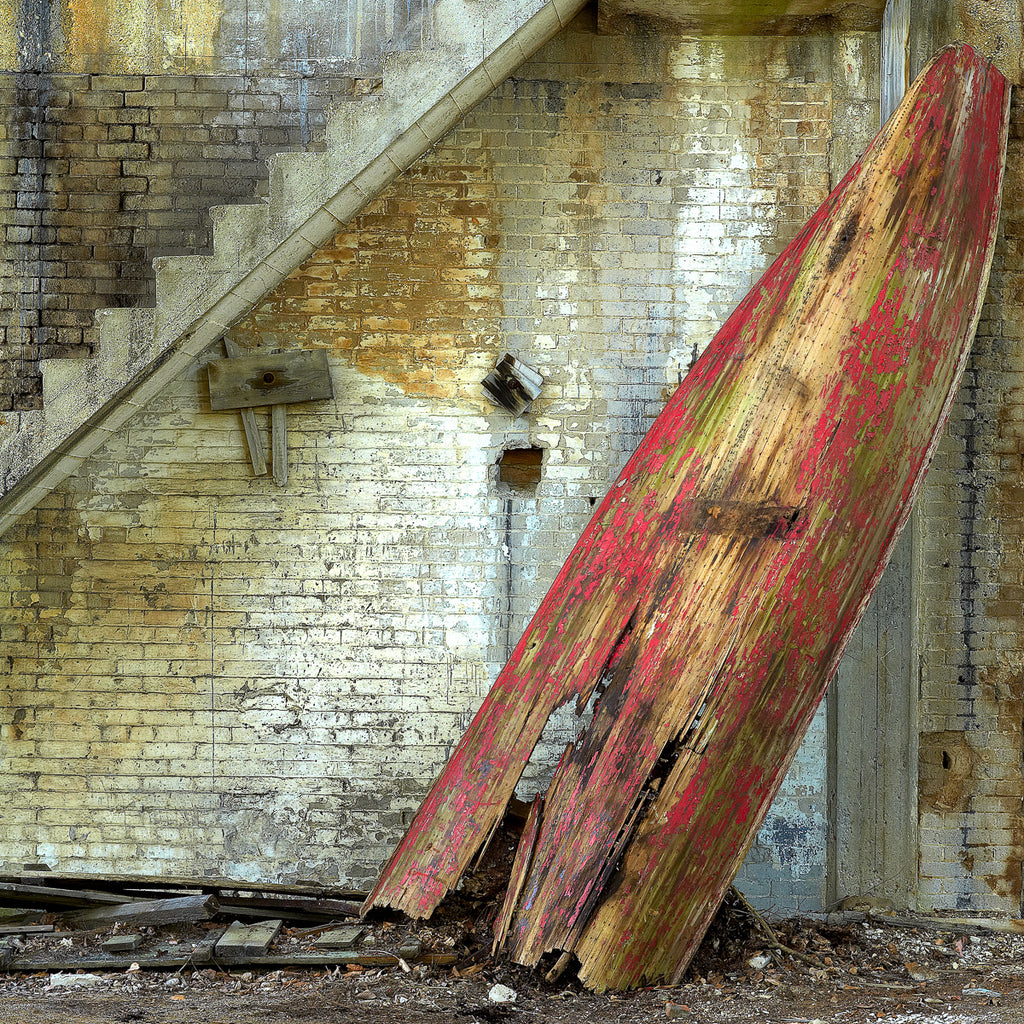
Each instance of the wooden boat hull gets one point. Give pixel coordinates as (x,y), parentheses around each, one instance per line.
(710,597)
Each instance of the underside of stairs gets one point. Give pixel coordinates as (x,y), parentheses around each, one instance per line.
(474,46)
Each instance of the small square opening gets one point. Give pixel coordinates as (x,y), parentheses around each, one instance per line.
(519,468)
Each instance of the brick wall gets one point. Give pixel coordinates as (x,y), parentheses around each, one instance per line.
(205,671)
(972,605)
(101,173)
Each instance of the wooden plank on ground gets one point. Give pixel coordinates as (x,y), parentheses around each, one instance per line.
(121,943)
(242,941)
(16,894)
(291,907)
(185,909)
(340,938)
(202,952)
(962,925)
(269,379)
(216,884)
(26,964)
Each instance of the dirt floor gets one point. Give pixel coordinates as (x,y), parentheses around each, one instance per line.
(840,971)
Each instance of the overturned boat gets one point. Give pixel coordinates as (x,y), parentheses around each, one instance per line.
(709,600)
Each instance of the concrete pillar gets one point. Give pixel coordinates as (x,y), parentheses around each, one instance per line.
(872,705)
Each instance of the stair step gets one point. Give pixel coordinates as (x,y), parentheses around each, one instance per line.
(240,233)
(297,183)
(350,125)
(125,340)
(20,437)
(184,285)
(430,78)
(59,375)
(72,390)
(414,80)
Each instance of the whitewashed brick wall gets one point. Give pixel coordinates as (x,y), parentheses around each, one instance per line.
(206,672)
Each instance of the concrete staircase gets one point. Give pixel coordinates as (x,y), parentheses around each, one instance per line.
(475,45)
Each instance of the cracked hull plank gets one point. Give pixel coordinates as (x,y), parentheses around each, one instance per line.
(710,597)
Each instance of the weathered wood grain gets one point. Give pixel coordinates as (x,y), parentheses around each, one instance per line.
(340,938)
(252,431)
(242,941)
(269,379)
(294,908)
(279,443)
(156,912)
(202,954)
(517,876)
(25,929)
(709,599)
(121,943)
(19,894)
(134,884)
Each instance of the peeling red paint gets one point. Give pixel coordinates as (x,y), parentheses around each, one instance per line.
(719,580)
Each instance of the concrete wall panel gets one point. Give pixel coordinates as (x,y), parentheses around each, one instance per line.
(205,36)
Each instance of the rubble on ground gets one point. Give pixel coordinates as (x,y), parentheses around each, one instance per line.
(848,966)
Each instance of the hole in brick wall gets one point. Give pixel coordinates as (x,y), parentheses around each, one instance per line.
(519,468)
(946,770)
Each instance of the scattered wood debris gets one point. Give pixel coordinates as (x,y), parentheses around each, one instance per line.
(173,910)
(121,943)
(340,938)
(739,973)
(244,941)
(76,907)
(963,925)
(18,894)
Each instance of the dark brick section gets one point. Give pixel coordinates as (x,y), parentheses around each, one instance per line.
(102,173)
(972,603)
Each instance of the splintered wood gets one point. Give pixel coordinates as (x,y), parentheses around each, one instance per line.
(710,597)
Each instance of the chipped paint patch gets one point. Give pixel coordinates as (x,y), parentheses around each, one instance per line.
(407,293)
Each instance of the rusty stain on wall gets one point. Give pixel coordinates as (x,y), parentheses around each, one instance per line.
(946,766)
(168,35)
(215,36)
(408,292)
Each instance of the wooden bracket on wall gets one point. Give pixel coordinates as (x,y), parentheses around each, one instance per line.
(274,379)
(252,434)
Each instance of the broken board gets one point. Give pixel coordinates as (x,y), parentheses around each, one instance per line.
(709,600)
(243,941)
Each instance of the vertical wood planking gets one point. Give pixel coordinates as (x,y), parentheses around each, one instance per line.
(279,442)
(252,431)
